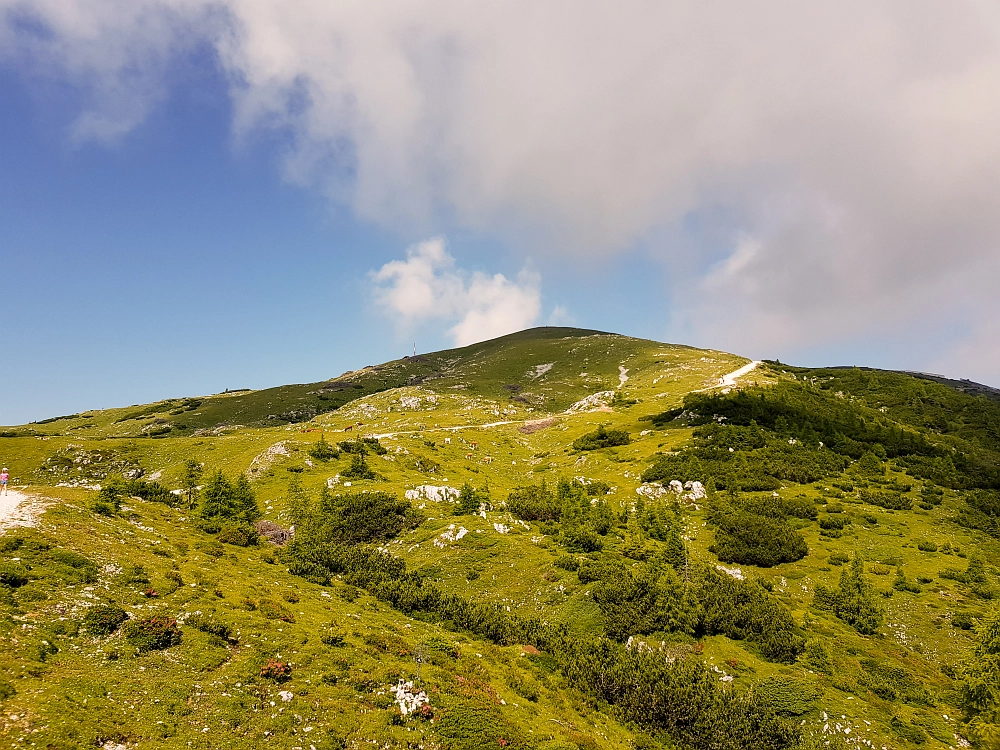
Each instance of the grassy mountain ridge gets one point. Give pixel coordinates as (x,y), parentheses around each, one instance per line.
(482,369)
(511,545)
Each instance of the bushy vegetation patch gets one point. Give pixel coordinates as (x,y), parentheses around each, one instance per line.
(653,598)
(601,438)
(887,500)
(853,601)
(104,619)
(359,468)
(981,510)
(678,698)
(535,502)
(224,500)
(752,538)
(153,633)
(362,446)
(13,574)
(788,696)
(239,534)
(323,451)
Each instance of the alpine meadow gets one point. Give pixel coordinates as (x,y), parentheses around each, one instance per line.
(556,539)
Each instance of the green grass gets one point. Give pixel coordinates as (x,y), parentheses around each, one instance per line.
(346,648)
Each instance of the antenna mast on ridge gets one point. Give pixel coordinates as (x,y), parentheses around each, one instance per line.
(414,348)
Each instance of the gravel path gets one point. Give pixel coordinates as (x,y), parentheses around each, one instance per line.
(18,509)
(730,378)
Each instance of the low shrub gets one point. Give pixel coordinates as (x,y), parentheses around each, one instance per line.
(323,451)
(833,522)
(535,502)
(363,445)
(13,574)
(602,438)
(152,633)
(274,611)
(963,621)
(104,619)
(925,546)
(278,671)
(206,623)
(787,696)
(239,535)
(750,539)
(887,500)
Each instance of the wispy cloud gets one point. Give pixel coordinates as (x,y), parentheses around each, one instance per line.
(427,286)
(855,142)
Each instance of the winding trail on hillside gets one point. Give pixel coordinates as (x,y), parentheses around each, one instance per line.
(726,381)
(450,429)
(729,380)
(18,509)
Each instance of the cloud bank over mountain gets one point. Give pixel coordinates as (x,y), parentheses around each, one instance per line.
(806,172)
(427,286)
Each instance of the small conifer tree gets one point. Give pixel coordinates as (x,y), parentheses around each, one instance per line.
(299,511)
(323,451)
(855,600)
(981,683)
(468,501)
(192,475)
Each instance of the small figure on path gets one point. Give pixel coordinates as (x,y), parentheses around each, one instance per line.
(4,478)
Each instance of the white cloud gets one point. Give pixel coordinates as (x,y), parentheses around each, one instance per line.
(560,316)
(427,287)
(853,142)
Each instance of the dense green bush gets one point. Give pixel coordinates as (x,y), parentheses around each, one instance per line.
(744,610)
(152,633)
(787,696)
(887,500)
(981,510)
(359,468)
(833,522)
(648,600)
(470,499)
(535,502)
(239,534)
(980,678)
(601,438)
(322,450)
(361,517)
(678,698)
(653,598)
(753,539)
(13,574)
(963,620)
(104,619)
(363,445)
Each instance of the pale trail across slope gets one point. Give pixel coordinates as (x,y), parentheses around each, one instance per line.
(18,509)
(729,379)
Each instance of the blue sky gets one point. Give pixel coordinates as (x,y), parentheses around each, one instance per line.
(190,204)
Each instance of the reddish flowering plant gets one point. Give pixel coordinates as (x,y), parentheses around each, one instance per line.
(151,593)
(278,671)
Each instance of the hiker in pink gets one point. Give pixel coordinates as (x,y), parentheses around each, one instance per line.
(4,478)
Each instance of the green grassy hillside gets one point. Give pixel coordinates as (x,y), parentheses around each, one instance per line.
(508,544)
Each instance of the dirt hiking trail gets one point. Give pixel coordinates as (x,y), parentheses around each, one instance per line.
(18,509)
